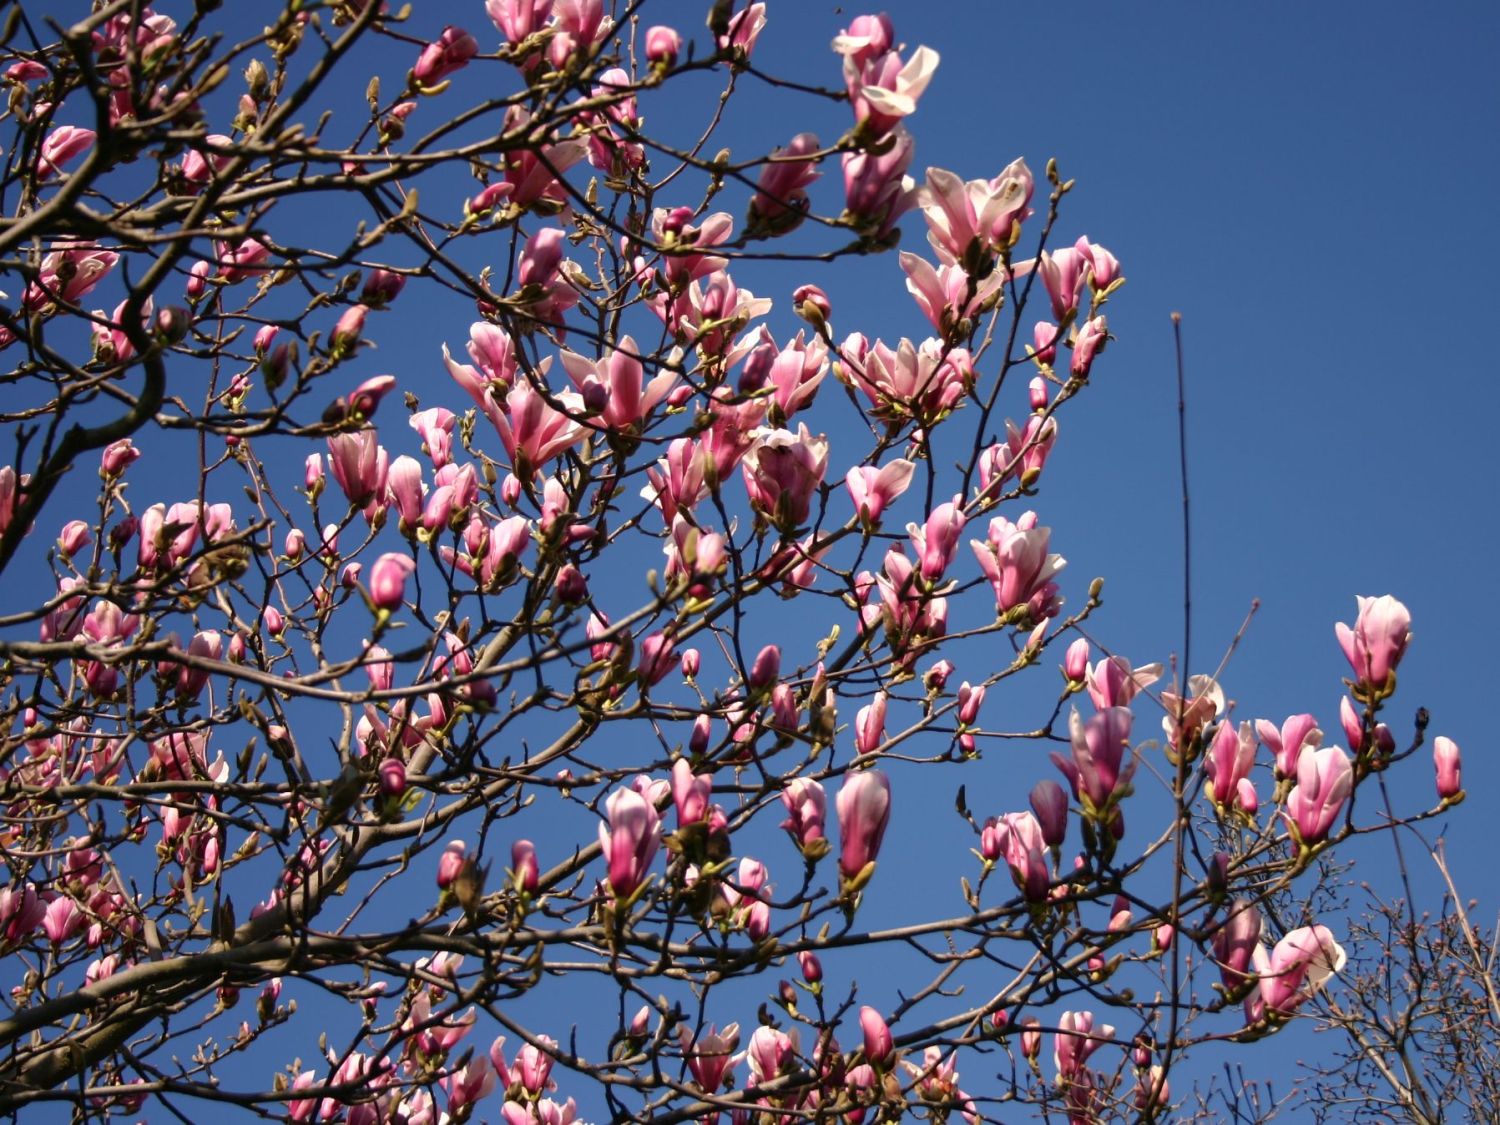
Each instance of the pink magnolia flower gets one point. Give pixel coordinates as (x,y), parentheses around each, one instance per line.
(710,1055)
(451,862)
(879,1049)
(524,870)
(770,1053)
(406,491)
(448,53)
(22,910)
(877,190)
(360,465)
(1114,683)
(1230,757)
(1014,558)
(532,431)
(242,260)
(683,242)
(1295,970)
(1325,778)
(545,290)
(70,272)
(872,489)
(882,89)
(864,808)
(869,725)
(1075,1041)
(1375,644)
(435,428)
(630,841)
(1098,772)
(1023,454)
(866,37)
(743,30)
(533,1065)
(62,919)
(806,806)
(388,580)
(780,198)
(1090,342)
(1050,804)
(518,19)
(1445,759)
(781,471)
(1296,734)
(662,46)
(1018,839)
(936,540)
(1064,275)
(966,222)
(691,793)
(117,457)
(578,24)
(1104,267)
(63,144)
(618,379)
(1076,662)
(923,383)
(950,298)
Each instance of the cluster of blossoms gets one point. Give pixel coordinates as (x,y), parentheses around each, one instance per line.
(449,584)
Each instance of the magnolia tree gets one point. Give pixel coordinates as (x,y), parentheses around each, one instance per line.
(514,737)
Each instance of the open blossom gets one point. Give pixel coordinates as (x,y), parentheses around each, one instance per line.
(1098,771)
(967,222)
(1295,970)
(873,489)
(1375,645)
(1064,275)
(1297,734)
(62,144)
(743,30)
(950,298)
(1076,1040)
(782,470)
(532,431)
(1325,778)
(710,1055)
(618,380)
(1014,558)
(69,272)
(629,841)
(923,383)
(883,89)
(770,1052)
(1114,683)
